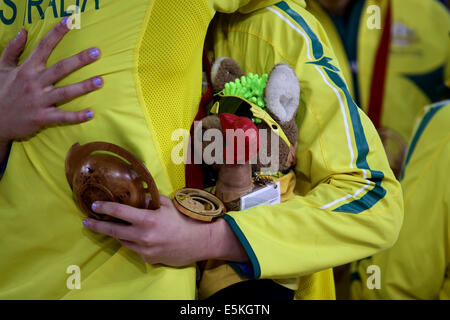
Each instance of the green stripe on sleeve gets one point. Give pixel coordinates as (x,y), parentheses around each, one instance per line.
(378,192)
(420,129)
(252,272)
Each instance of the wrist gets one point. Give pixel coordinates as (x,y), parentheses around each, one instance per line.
(224,244)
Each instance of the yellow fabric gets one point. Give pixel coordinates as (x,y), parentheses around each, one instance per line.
(318,286)
(287,185)
(151,64)
(423,47)
(418,265)
(10,20)
(313,287)
(336,216)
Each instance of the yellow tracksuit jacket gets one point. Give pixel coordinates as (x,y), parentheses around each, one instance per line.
(419,57)
(151,63)
(418,265)
(347,204)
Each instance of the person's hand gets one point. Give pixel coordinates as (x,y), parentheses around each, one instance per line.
(27,92)
(165,236)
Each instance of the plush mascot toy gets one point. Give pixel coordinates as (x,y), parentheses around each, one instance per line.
(259,171)
(263,109)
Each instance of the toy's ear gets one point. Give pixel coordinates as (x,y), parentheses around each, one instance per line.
(282,94)
(223,71)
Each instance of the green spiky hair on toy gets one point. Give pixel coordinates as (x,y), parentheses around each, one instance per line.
(250,87)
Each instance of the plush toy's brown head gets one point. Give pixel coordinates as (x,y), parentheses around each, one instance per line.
(224,70)
(281,97)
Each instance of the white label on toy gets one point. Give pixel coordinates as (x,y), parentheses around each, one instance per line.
(268,194)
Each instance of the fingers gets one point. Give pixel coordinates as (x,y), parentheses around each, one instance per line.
(57,116)
(61,94)
(140,250)
(115,230)
(14,48)
(45,47)
(131,245)
(120,211)
(69,65)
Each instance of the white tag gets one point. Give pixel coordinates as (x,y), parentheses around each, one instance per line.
(268,194)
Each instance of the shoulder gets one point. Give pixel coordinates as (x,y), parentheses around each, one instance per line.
(285,25)
(286,14)
(430,142)
(415,12)
(430,125)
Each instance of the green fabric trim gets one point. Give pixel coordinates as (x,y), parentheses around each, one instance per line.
(378,192)
(422,126)
(255,273)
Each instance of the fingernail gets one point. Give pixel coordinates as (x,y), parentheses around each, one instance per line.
(90,115)
(94,206)
(98,82)
(19,34)
(94,53)
(85,222)
(64,21)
